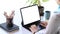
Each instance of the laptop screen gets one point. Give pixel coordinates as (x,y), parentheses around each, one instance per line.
(30,14)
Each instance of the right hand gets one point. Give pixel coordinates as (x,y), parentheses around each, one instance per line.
(33,28)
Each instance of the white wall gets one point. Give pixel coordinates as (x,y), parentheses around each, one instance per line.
(50,5)
(9,5)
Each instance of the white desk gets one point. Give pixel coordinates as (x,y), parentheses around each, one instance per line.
(41,31)
(17,21)
(25,31)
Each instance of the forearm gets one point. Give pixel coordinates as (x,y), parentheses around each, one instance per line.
(53,25)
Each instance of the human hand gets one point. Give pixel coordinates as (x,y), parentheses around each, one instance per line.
(9,19)
(33,28)
(10,16)
(43,23)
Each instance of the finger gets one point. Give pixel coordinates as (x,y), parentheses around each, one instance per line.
(12,14)
(5,14)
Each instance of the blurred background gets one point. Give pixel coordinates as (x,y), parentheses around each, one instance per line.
(10,5)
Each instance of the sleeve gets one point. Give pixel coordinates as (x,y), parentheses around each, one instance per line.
(53,24)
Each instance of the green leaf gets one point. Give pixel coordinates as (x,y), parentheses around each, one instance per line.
(44,0)
(35,2)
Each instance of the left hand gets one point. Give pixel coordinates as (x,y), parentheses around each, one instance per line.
(43,23)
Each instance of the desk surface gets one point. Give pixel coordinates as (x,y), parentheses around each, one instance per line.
(21,30)
(17,21)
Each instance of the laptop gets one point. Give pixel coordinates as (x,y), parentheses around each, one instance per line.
(30,15)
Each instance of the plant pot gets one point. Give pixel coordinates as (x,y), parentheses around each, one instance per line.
(41,10)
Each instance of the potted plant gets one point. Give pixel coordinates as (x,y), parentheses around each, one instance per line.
(41,8)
